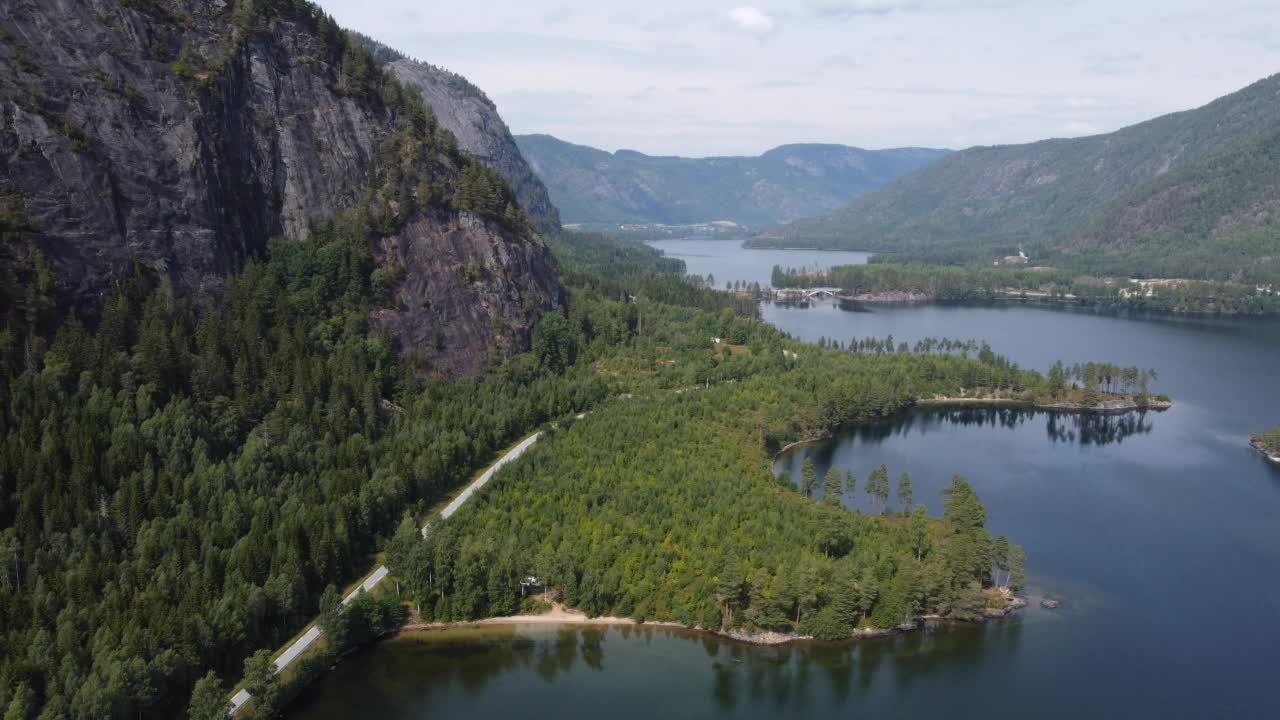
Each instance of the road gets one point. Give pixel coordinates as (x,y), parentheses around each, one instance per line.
(312,634)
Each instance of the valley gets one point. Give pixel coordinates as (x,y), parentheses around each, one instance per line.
(333,382)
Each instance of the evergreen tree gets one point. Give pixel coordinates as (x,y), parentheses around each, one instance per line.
(905,495)
(808,477)
(729,585)
(831,486)
(262,682)
(1000,559)
(851,485)
(918,531)
(878,488)
(22,706)
(1017,567)
(208,699)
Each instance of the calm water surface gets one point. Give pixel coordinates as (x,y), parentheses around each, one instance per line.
(1160,533)
(727,260)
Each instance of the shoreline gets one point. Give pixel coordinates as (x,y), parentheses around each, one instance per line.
(1119,406)
(1258,445)
(561,615)
(912,297)
(1107,407)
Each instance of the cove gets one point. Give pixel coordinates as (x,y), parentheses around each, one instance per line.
(1160,532)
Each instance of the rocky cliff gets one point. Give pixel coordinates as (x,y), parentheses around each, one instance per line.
(182,134)
(473,118)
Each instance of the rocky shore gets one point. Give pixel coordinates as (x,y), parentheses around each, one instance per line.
(1261,447)
(888,297)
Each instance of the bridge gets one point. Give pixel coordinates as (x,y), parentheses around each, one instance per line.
(808,292)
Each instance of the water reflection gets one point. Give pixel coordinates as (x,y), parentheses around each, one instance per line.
(409,675)
(1064,428)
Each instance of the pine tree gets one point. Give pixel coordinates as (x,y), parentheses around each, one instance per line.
(1000,559)
(729,583)
(831,486)
(1017,567)
(905,495)
(208,699)
(878,488)
(918,531)
(808,477)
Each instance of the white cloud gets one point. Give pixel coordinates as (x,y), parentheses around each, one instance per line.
(752,20)
(1077,127)
(852,8)
(872,73)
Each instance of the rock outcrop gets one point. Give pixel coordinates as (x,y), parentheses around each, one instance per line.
(182,134)
(473,119)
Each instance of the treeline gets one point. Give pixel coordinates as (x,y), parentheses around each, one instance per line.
(632,271)
(180,483)
(663,507)
(980,284)
(1270,441)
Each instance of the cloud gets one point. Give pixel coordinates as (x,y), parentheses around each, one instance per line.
(1077,127)
(856,8)
(839,60)
(558,15)
(1113,64)
(781,84)
(752,20)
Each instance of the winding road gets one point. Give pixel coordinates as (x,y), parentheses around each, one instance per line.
(309,637)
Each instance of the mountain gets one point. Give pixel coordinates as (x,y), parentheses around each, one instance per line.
(178,136)
(1161,196)
(789,182)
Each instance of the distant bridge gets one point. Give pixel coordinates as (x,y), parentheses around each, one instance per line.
(808,292)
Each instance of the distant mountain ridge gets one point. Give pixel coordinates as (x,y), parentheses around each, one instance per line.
(783,184)
(1191,193)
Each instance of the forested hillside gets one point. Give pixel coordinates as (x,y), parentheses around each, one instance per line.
(1189,194)
(793,181)
(663,507)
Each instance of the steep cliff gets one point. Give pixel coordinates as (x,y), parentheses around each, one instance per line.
(182,134)
(473,118)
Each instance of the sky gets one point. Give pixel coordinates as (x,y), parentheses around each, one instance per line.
(700,77)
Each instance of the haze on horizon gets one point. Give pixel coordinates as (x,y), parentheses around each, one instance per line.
(699,77)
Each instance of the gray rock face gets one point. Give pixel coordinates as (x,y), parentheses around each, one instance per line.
(465,111)
(159,133)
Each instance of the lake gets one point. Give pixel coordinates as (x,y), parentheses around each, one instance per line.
(1159,532)
(727,261)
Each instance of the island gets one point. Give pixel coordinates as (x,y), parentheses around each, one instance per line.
(1267,443)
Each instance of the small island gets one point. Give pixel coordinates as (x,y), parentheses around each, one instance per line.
(1268,443)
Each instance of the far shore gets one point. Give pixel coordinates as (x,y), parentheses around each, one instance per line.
(1107,407)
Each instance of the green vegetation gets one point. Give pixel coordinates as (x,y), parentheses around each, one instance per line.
(1187,195)
(1269,441)
(984,284)
(662,506)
